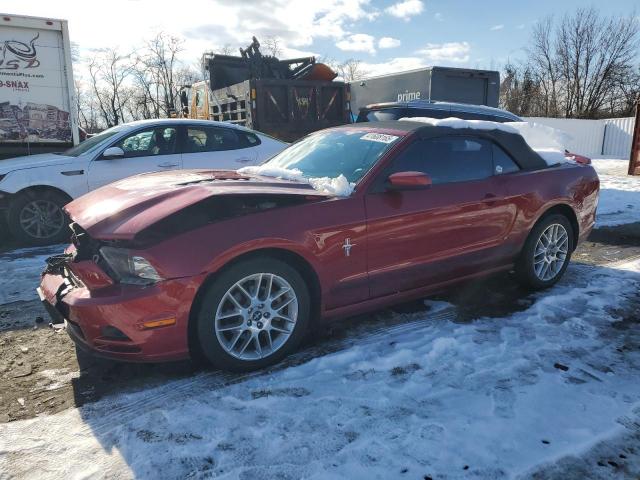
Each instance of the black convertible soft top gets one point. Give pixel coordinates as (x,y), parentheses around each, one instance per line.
(513,143)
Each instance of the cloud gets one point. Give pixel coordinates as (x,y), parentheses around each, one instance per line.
(388,42)
(406,9)
(520,27)
(359,42)
(439,17)
(394,65)
(443,53)
(497,27)
(296,23)
(452,52)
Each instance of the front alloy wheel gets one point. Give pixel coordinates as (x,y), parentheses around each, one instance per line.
(256,316)
(252,315)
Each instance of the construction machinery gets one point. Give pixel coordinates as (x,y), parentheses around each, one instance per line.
(286,99)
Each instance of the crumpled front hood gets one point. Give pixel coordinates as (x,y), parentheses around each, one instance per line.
(33,161)
(124,208)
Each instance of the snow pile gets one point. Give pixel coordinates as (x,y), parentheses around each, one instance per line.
(540,136)
(550,143)
(619,193)
(547,142)
(338,186)
(453,122)
(551,156)
(428,396)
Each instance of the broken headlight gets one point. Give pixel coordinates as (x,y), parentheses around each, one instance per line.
(128,268)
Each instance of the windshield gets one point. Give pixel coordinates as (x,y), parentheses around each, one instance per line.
(349,152)
(92,143)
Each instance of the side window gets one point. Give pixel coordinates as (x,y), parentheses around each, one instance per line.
(150,142)
(448,159)
(431,113)
(502,162)
(383,115)
(211,140)
(471,116)
(248,139)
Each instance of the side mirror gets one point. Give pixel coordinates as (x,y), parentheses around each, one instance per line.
(408,181)
(113,152)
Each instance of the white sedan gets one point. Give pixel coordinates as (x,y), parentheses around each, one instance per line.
(34,189)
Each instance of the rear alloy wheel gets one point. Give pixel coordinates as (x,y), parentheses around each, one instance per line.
(547,252)
(38,218)
(550,253)
(253,315)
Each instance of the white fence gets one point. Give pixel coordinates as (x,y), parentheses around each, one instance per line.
(610,137)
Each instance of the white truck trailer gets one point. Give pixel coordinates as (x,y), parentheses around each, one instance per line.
(37,109)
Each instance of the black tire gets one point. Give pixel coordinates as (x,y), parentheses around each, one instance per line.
(22,201)
(208,342)
(525,271)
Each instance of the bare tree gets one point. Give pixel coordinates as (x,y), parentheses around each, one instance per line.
(161,60)
(544,64)
(582,64)
(272,46)
(108,70)
(350,70)
(226,49)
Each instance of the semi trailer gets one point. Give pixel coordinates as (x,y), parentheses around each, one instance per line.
(36,86)
(461,85)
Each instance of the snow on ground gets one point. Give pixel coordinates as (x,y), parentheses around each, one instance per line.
(619,193)
(20,271)
(492,398)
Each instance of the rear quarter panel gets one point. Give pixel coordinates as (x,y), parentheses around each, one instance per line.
(535,192)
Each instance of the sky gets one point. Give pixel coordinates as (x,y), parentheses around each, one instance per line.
(386,36)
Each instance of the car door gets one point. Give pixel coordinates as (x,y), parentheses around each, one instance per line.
(149,149)
(445,231)
(218,147)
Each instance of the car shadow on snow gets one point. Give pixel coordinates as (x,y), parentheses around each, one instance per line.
(497,296)
(493,297)
(164,387)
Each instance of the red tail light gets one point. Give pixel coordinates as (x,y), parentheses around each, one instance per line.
(577,158)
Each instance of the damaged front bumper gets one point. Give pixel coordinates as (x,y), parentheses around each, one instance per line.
(123,322)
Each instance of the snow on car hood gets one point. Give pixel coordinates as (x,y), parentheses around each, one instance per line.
(338,186)
(33,161)
(124,208)
(550,143)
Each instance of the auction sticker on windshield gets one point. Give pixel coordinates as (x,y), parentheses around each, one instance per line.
(379,137)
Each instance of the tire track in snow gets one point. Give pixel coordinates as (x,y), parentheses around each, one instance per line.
(108,419)
(211,381)
(107,414)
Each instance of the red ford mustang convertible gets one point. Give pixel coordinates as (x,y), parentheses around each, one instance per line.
(237,266)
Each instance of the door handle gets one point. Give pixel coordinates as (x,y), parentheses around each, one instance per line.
(167,165)
(243,160)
